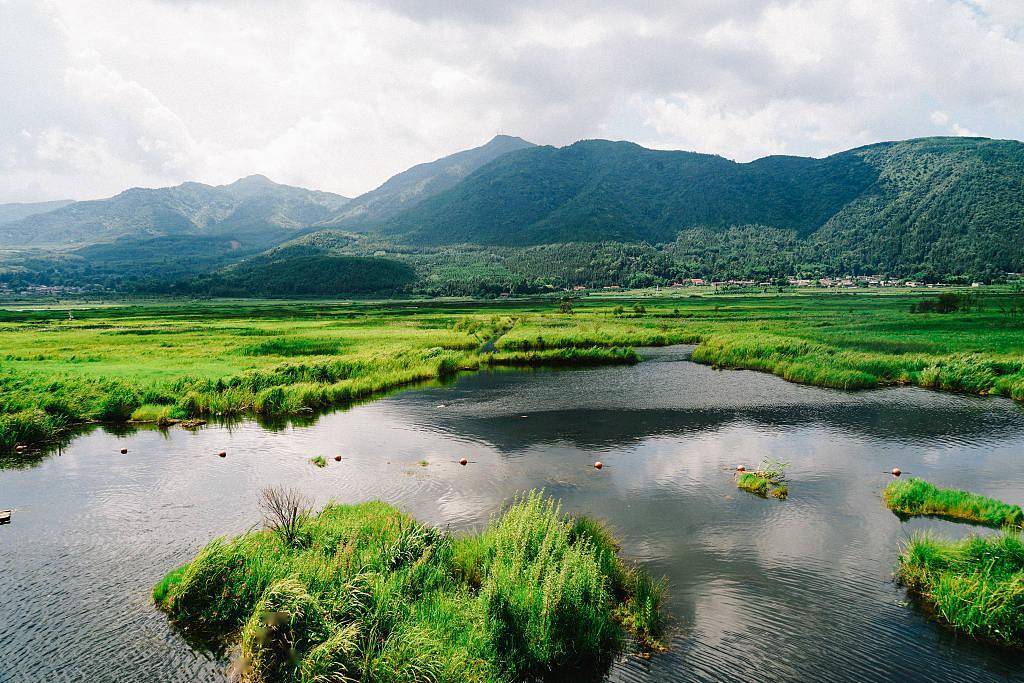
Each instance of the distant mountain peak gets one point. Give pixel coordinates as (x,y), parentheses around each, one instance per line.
(254,180)
(502,138)
(410,187)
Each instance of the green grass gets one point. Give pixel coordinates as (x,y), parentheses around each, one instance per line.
(919,497)
(769,479)
(367,593)
(223,358)
(975,585)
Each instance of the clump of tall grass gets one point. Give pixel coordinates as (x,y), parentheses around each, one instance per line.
(769,479)
(976,585)
(293,346)
(918,497)
(364,592)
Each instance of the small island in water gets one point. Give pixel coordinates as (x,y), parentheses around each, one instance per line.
(365,592)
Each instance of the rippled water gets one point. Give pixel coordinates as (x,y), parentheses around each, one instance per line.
(760,589)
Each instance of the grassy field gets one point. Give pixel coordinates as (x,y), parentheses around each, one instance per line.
(919,497)
(172,360)
(363,592)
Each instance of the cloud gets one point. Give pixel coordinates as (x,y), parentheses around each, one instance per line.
(104,94)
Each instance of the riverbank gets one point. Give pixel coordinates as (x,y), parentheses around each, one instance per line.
(64,367)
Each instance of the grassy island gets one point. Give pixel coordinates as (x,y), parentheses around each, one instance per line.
(769,479)
(366,593)
(918,497)
(975,585)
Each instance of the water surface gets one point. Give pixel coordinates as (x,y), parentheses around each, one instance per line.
(759,589)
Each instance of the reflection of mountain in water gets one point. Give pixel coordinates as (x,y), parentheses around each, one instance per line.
(612,406)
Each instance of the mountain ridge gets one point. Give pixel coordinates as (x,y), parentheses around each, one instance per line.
(417,183)
(253,204)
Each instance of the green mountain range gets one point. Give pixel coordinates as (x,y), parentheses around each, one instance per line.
(253,205)
(951,205)
(512,216)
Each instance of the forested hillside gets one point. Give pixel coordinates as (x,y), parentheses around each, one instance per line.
(408,188)
(938,205)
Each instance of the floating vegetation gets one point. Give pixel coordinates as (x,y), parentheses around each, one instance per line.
(769,479)
(364,592)
(914,496)
(319,461)
(975,585)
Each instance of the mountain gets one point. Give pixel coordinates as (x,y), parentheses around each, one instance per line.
(253,205)
(410,187)
(950,205)
(18,210)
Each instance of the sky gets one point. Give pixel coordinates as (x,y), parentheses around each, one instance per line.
(100,95)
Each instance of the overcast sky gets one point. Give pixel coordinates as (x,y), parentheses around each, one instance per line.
(100,95)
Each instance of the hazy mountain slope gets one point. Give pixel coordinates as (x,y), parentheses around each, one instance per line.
(598,190)
(18,210)
(253,204)
(410,187)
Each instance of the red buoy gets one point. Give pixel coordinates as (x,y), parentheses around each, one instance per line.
(223,454)
(123,451)
(896,471)
(337,458)
(741,468)
(598,465)
(463,461)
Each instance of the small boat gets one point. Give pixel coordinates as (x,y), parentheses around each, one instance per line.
(5,516)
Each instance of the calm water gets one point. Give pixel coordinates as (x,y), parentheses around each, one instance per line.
(760,589)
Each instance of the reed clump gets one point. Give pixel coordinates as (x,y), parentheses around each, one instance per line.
(364,592)
(769,479)
(975,585)
(918,497)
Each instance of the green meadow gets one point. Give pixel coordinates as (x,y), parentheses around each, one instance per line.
(169,360)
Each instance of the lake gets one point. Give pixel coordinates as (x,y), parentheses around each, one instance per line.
(759,589)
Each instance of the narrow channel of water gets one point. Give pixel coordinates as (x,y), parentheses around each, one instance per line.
(760,589)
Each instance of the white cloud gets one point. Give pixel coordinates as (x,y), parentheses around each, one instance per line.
(102,94)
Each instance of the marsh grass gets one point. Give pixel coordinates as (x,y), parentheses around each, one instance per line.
(279,359)
(289,346)
(975,585)
(365,592)
(769,479)
(914,496)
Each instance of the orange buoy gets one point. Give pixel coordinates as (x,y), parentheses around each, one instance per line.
(741,468)
(463,461)
(598,465)
(337,458)
(223,454)
(123,451)
(896,471)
